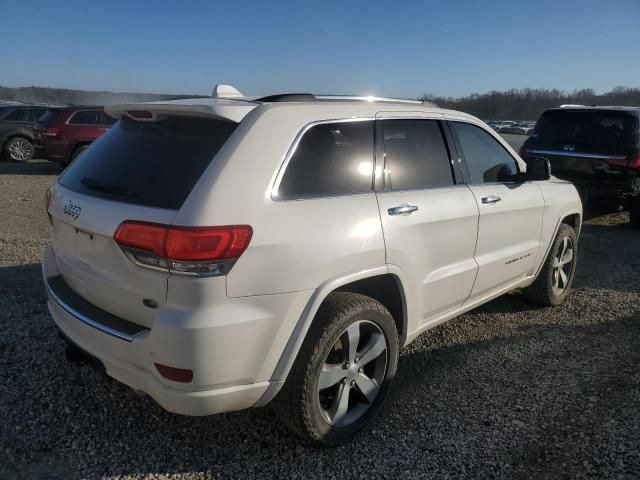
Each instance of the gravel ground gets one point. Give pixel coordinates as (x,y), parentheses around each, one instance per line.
(507,391)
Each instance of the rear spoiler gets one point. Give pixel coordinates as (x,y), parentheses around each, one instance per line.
(222,109)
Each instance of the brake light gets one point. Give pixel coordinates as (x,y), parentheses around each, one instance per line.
(184,250)
(50,132)
(149,237)
(634,162)
(140,114)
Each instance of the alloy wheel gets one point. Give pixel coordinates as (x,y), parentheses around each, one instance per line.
(562,266)
(20,150)
(352,373)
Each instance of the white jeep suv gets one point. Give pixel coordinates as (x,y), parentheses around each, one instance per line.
(223,253)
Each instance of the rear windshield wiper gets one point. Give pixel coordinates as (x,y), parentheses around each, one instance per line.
(110,189)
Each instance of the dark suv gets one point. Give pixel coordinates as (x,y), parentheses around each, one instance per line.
(16,131)
(596,148)
(62,134)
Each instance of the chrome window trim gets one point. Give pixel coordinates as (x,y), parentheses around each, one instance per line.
(90,322)
(424,189)
(565,153)
(275,194)
(85,124)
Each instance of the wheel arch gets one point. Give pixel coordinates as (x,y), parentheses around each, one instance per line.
(367,282)
(16,135)
(571,217)
(78,144)
(573,220)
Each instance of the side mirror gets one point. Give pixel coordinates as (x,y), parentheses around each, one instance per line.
(538,169)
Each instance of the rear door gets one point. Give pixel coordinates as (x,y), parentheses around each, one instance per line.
(429,217)
(511,211)
(137,171)
(84,125)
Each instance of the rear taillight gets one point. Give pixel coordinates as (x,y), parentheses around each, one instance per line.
(633,162)
(183,250)
(50,132)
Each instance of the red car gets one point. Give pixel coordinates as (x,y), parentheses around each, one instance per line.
(62,134)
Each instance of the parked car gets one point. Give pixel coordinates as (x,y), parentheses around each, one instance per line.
(219,254)
(513,130)
(63,134)
(16,131)
(596,148)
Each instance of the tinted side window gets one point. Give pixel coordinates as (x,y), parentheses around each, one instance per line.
(331,159)
(84,117)
(20,115)
(37,113)
(416,155)
(486,159)
(104,119)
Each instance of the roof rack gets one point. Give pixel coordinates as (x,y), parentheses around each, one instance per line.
(288,97)
(308,97)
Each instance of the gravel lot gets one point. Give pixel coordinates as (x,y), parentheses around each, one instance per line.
(508,391)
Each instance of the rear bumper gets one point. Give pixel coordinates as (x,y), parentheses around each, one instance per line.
(230,361)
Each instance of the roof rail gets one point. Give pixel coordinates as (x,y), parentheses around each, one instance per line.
(288,97)
(368,99)
(571,105)
(308,97)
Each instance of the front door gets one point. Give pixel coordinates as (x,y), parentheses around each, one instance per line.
(511,210)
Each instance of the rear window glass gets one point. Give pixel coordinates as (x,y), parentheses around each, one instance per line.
(331,159)
(591,131)
(154,164)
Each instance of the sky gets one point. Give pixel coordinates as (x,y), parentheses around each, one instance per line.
(395,48)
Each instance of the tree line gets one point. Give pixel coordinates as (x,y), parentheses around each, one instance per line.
(529,103)
(514,104)
(67,96)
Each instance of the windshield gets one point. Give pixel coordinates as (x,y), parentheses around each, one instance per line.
(155,164)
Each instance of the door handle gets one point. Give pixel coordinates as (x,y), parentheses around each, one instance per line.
(491,199)
(402,209)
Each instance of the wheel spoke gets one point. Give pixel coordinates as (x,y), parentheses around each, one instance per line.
(367,386)
(565,244)
(340,405)
(567,257)
(330,375)
(372,350)
(563,276)
(353,337)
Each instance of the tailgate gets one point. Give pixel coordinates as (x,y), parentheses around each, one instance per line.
(91,262)
(584,168)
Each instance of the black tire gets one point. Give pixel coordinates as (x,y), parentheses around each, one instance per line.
(299,404)
(544,290)
(634,212)
(76,153)
(18,149)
